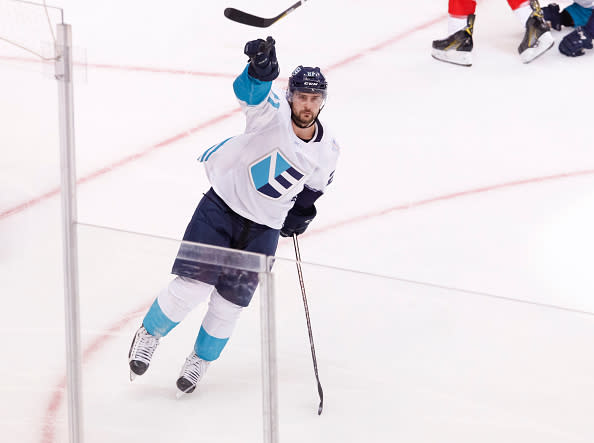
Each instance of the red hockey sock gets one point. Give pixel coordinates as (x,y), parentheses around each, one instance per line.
(462,8)
(515,4)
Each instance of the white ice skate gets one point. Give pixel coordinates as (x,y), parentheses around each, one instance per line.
(457,48)
(141,351)
(191,373)
(537,38)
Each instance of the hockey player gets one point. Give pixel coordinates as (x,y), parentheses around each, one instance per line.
(264,183)
(457,48)
(578,15)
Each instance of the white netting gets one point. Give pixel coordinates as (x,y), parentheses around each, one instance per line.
(27,30)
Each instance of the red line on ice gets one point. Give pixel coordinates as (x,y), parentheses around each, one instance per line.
(386,43)
(49,430)
(467,192)
(150,69)
(119,163)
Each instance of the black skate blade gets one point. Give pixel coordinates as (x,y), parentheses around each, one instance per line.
(184,387)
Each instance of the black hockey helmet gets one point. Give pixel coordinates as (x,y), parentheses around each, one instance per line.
(307,79)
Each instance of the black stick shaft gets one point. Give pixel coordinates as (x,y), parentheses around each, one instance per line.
(259,22)
(311,340)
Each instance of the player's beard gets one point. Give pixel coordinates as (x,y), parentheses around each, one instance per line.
(304,122)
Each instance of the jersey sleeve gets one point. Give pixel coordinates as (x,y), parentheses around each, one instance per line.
(306,198)
(258,101)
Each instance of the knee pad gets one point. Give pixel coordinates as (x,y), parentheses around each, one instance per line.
(217,326)
(181,296)
(221,317)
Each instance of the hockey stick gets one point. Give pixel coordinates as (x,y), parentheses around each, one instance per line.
(259,22)
(311,342)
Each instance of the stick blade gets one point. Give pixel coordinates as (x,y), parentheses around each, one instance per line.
(321,394)
(247,19)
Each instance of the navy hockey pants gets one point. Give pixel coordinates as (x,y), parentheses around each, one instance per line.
(214,223)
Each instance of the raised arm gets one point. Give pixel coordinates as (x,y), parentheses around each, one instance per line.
(253,85)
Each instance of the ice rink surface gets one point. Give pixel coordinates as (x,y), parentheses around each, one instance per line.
(451,297)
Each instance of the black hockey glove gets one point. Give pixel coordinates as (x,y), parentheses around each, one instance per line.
(297,221)
(576,42)
(263,62)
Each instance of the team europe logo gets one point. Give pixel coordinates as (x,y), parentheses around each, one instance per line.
(273,176)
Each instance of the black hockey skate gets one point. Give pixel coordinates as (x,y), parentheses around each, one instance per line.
(141,351)
(537,38)
(191,373)
(457,48)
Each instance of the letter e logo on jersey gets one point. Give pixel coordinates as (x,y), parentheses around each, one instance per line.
(273,176)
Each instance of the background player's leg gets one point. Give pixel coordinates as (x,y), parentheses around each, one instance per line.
(521,9)
(457,47)
(458,11)
(537,37)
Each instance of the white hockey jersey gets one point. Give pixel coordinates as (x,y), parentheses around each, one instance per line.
(260,172)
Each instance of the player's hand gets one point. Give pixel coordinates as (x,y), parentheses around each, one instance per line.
(297,221)
(576,42)
(263,62)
